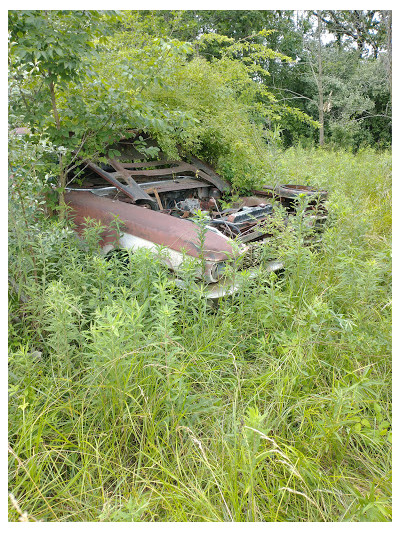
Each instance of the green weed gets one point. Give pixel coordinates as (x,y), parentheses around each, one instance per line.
(131,400)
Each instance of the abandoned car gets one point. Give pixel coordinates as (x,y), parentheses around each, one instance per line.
(157,201)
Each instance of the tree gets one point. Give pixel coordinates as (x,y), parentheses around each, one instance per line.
(80,95)
(355,111)
(319,83)
(363,28)
(274,42)
(387,17)
(49,48)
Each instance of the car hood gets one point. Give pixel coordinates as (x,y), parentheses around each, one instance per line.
(174,233)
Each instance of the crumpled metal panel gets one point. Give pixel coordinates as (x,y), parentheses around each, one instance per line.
(174,233)
(293,191)
(132,189)
(199,168)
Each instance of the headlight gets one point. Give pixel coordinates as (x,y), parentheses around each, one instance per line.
(215,271)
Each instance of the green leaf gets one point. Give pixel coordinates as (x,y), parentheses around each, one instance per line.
(377,407)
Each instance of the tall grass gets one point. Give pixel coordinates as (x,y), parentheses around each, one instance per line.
(131,400)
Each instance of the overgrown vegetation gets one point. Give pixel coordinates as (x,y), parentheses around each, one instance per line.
(131,399)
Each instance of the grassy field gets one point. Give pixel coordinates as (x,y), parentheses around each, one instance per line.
(132,401)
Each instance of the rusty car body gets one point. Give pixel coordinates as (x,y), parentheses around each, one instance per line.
(156,202)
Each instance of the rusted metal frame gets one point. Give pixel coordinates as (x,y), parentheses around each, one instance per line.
(183,167)
(174,185)
(123,172)
(150,164)
(126,175)
(211,180)
(210,174)
(293,191)
(268,192)
(132,191)
(257,234)
(155,192)
(199,168)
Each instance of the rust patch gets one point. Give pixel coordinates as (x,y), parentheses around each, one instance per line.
(174,233)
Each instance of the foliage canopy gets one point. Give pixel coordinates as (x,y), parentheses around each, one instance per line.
(86,91)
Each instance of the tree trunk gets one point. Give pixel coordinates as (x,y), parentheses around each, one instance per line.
(320,91)
(62,177)
(54,105)
(387,16)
